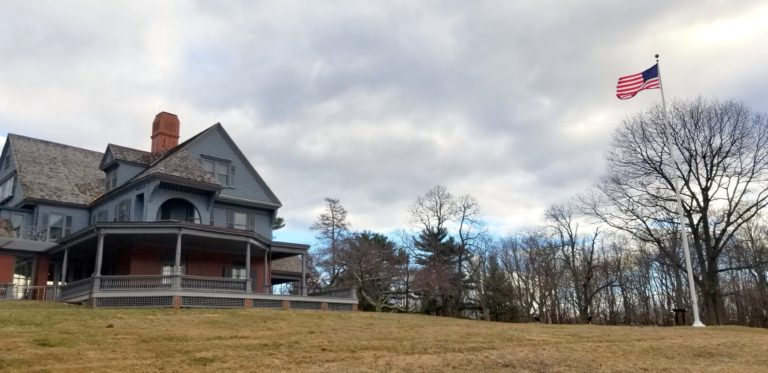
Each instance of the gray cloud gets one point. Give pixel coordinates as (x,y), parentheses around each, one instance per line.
(374,103)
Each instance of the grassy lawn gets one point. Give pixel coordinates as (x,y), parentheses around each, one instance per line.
(56,337)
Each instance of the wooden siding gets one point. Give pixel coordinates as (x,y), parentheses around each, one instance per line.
(126,172)
(246,186)
(262,224)
(159,196)
(17,190)
(80,217)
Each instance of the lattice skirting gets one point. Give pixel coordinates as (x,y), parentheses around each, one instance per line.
(207,302)
(339,307)
(213,302)
(300,305)
(135,302)
(267,303)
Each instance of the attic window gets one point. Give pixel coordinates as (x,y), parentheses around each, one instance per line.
(222,172)
(7,162)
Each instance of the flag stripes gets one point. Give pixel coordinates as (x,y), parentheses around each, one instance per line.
(628,86)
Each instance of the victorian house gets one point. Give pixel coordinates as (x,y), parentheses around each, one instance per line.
(183,225)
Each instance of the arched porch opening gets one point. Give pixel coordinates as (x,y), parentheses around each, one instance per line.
(178,209)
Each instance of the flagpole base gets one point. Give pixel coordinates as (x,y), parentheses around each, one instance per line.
(698,324)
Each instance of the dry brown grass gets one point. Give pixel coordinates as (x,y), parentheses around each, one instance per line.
(57,337)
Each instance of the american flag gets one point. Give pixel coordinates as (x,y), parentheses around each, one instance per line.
(629,85)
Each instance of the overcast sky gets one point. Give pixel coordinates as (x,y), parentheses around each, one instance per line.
(376,102)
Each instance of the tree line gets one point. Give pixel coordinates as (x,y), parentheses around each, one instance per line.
(610,255)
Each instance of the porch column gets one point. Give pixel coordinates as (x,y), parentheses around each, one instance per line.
(266,273)
(176,283)
(99,256)
(303,275)
(64,263)
(248,282)
(56,279)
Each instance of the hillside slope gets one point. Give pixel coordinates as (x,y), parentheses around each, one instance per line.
(58,337)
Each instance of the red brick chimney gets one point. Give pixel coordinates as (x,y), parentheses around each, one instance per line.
(165,132)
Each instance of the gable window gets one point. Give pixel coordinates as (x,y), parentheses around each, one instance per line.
(222,172)
(7,162)
(6,189)
(59,225)
(123,211)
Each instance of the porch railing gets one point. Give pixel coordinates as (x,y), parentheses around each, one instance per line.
(77,288)
(213,283)
(135,282)
(347,293)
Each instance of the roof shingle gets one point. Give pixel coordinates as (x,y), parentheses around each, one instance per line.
(57,172)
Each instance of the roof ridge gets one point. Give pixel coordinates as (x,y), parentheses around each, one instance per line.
(128,147)
(10,135)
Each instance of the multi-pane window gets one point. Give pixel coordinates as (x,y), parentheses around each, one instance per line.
(230,218)
(59,225)
(238,273)
(239,220)
(6,189)
(222,172)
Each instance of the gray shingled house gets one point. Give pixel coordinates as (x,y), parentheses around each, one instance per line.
(184,225)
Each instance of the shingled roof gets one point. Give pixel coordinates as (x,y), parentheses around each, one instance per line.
(132,155)
(57,172)
(178,162)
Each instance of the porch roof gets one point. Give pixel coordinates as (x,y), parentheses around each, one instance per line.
(175,227)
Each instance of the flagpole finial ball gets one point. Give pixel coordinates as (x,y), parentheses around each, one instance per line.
(657,55)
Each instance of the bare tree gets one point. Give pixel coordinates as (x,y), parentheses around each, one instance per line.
(332,227)
(724,173)
(579,257)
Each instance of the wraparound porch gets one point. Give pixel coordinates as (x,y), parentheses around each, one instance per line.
(173,256)
(194,291)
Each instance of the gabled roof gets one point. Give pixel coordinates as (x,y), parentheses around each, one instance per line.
(56,172)
(245,160)
(67,174)
(122,153)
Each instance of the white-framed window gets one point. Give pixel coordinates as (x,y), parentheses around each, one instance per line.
(167,270)
(6,189)
(238,273)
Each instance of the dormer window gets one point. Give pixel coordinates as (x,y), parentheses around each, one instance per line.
(7,162)
(111,178)
(220,171)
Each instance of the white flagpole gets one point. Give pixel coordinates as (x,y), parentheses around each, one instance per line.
(676,184)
